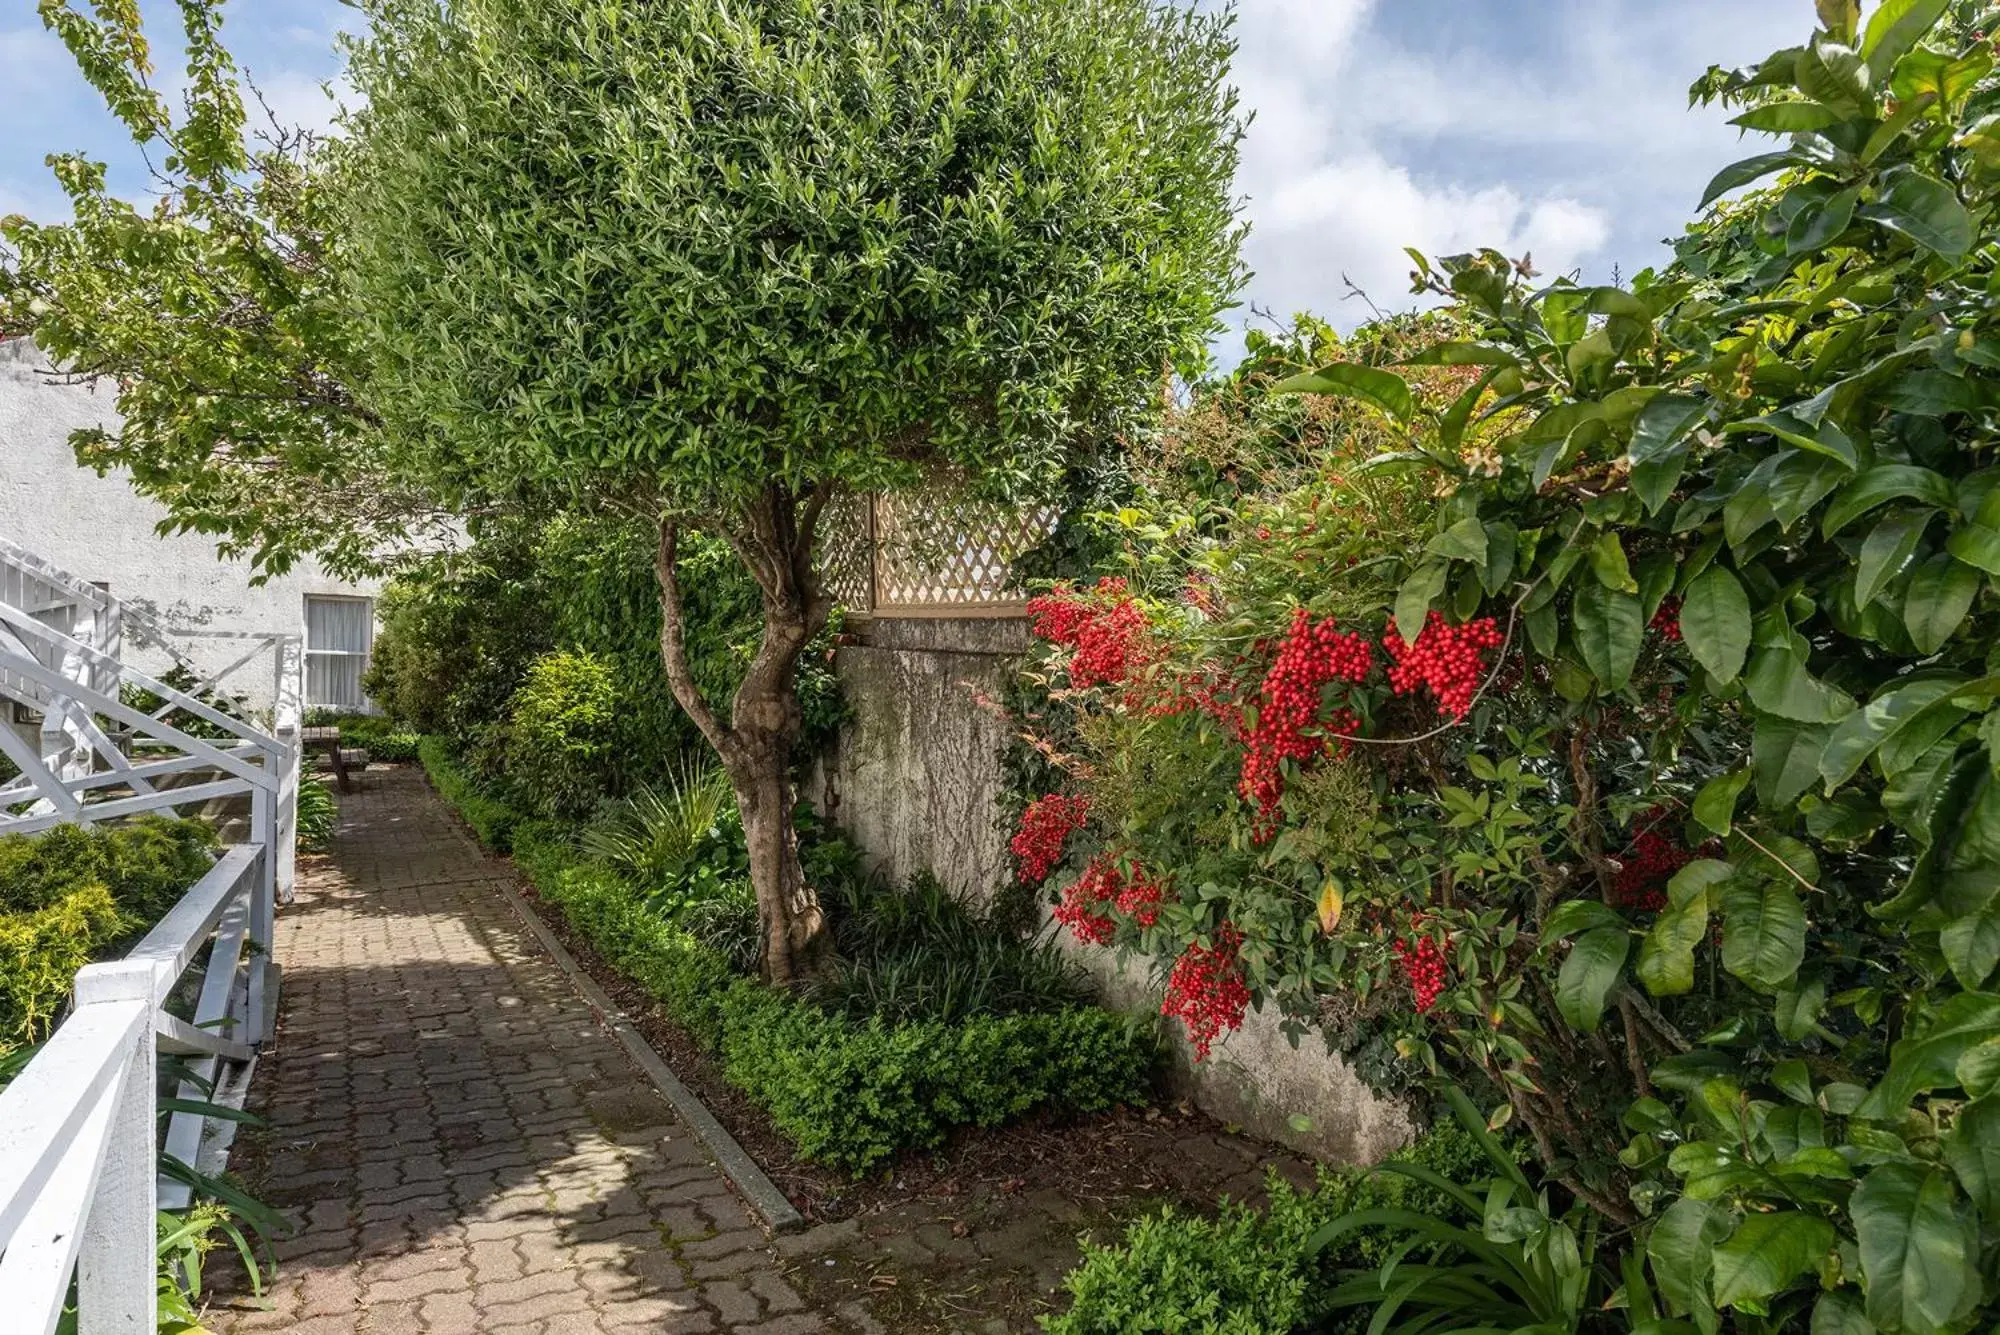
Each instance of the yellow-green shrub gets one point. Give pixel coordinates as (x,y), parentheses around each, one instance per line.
(40,953)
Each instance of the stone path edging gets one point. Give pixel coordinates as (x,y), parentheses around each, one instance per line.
(741,1170)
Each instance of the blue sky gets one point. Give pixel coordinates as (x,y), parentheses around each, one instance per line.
(1553,126)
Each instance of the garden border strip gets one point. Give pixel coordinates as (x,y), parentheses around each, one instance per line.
(736,1164)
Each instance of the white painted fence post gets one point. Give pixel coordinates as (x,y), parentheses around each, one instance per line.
(116,1272)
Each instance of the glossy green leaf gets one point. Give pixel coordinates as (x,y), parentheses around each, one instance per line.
(1788,118)
(1665,421)
(1971,945)
(1882,483)
(1766,1253)
(1665,966)
(1608,629)
(1681,1246)
(1763,933)
(1577,915)
(1929,1060)
(1715,804)
(1925,210)
(1785,758)
(1913,1247)
(1869,727)
(1593,967)
(1715,622)
(1779,683)
(1608,563)
(1414,599)
(1840,1313)
(1795,1011)
(1885,552)
(1940,594)
(1464,541)
(1895,27)
(1973,1151)
(1382,389)
(1743,173)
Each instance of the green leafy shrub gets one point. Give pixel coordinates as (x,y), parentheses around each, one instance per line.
(385,740)
(847,1092)
(491,819)
(75,893)
(1252,1272)
(662,836)
(317,814)
(917,952)
(1676,832)
(558,746)
(40,952)
(459,629)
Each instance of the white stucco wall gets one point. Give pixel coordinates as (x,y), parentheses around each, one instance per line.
(98,528)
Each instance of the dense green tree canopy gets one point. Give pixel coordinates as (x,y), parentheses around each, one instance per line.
(712,245)
(713,262)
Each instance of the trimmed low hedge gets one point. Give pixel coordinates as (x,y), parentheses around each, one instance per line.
(492,821)
(846,1092)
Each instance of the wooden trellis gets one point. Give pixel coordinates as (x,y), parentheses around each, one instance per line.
(929,552)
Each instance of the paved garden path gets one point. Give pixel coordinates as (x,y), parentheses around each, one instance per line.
(463,1148)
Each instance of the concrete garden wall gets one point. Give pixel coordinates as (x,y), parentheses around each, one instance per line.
(915,780)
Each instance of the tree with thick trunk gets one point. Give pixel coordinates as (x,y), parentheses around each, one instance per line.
(756,744)
(722,260)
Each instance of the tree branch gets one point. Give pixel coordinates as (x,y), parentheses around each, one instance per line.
(673,643)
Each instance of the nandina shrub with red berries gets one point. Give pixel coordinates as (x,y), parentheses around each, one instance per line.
(1663,812)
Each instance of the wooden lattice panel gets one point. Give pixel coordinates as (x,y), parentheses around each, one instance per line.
(930,552)
(844,551)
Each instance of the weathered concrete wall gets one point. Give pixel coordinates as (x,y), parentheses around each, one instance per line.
(98,528)
(1304,1097)
(915,779)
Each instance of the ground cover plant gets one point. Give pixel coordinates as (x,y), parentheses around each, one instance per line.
(1599,719)
(973,1028)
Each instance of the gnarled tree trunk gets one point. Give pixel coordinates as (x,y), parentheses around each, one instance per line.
(773,537)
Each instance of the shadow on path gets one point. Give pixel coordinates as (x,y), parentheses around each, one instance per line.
(461,1147)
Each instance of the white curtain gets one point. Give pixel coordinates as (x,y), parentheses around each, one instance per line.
(339,634)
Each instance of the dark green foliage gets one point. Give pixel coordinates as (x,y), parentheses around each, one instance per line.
(460,631)
(918,953)
(317,815)
(558,744)
(492,820)
(1246,1271)
(182,680)
(848,1092)
(384,739)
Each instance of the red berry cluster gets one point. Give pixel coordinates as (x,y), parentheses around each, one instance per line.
(1045,825)
(1448,659)
(1206,991)
(1667,621)
(1082,906)
(1423,965)
(1141,897)
(1647,864)
(1106,628)
(1309,657)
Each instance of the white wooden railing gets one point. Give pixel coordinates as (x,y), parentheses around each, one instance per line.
(79,1166)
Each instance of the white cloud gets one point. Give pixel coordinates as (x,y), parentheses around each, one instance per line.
(1574,142)
(1350,220)
(299,101)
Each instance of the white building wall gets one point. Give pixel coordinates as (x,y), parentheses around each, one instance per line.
(99,529)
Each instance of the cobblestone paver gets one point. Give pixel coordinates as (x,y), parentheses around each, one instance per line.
(462,1149)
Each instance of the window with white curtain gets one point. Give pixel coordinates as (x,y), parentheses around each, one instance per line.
(339,634)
